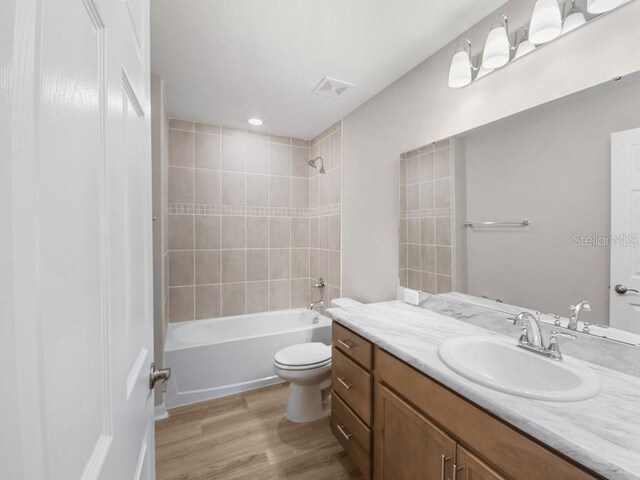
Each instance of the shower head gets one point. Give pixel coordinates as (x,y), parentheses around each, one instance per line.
(312,164)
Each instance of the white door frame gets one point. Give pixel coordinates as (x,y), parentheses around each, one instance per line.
(625,228)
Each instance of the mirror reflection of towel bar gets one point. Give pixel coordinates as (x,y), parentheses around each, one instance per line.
(523,223)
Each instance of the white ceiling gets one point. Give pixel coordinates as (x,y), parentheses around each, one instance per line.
(225,61)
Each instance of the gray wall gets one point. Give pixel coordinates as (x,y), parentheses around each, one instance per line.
(420,108)
(551,166)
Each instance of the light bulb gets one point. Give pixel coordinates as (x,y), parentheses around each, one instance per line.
(484,71)
(525,47)
(546,22)
(497,49)
(573,21)
(460,71)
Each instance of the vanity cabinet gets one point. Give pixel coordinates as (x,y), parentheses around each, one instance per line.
(470,467)
(408,446)
(499,450)
(413,427)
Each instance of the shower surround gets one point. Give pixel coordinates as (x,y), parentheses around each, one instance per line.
(250,225)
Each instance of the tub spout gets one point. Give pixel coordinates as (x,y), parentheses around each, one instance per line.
(313,305)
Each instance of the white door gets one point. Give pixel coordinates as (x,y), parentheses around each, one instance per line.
(75,237)
(625,230)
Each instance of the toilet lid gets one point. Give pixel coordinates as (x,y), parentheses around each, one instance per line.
(304,354)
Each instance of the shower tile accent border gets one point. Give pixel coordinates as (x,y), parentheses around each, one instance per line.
(251,211)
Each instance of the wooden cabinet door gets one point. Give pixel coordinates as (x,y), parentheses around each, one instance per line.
(407,445)
(470,467)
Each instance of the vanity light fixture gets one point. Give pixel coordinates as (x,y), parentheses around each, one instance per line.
(574,19)
(602,6)
(497,49)
(256,122)
(461,70)
(546,22)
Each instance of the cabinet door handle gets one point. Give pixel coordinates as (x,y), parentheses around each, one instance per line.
(456,468)
(344,432)
(345,343)
(344,383)
(443,463)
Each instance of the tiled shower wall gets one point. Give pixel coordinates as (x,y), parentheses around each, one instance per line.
(426,218)
(325,199)
(240,220)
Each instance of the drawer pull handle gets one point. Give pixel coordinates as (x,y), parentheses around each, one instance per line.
(443,463)
(344,383)
(456,469)
(345,343)
(344,432)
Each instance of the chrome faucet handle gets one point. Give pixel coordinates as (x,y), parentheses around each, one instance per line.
(524,336)
(554,346)
(320,283)
(586,327)
(556,319)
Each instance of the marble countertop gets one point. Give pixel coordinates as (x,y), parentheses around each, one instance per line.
(602,433)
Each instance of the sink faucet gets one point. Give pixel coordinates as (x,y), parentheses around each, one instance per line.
(575,312)
(532,340)
(531,331)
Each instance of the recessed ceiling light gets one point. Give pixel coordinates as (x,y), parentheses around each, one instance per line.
(256,122)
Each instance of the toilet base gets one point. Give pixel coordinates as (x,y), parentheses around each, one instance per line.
(308,403)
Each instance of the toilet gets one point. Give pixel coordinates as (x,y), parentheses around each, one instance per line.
(307,368)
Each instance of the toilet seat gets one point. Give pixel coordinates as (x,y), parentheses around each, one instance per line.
(305,356)
(302,367)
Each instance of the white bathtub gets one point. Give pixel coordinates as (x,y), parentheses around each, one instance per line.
(222,356)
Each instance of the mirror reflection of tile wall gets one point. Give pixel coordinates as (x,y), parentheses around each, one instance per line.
(425,218)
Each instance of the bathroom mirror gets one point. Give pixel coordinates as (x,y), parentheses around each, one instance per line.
(543,210)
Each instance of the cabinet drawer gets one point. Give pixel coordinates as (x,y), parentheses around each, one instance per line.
(349,425)
(353,345)
(353,384)
(357,453)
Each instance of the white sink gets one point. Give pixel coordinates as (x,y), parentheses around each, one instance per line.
(500,364)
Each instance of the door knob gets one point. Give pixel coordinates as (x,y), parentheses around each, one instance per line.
(621,289)
(158,375)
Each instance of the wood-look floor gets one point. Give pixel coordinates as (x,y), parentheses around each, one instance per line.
(247,436)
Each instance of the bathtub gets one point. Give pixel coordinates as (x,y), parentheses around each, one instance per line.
(221,356)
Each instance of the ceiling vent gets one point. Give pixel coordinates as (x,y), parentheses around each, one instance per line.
(330,87)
